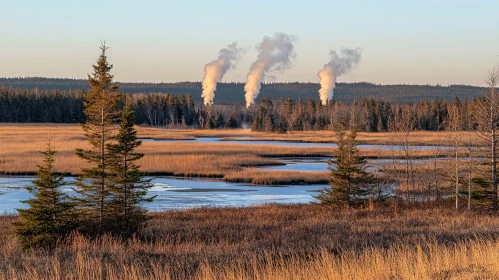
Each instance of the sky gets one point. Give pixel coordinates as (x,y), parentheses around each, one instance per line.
(403,42)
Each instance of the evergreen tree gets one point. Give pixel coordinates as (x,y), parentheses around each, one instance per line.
(349,182)
(129,188)
(50,213)
(232,123)
(93,184)
(220,122)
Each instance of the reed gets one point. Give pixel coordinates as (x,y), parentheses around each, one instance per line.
(259,177)
(19,146)
(276,242)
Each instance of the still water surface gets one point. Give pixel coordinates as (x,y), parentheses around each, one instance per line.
(178,193)
(288,144)
(181,193)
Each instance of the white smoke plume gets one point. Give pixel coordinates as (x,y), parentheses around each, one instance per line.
(338,65)
(274,54)
(215,70)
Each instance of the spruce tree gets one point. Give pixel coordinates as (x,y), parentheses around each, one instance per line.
(349,182)
(50,213)
(129,188)
(101,111)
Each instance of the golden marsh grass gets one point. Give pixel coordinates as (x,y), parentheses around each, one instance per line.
(276,242)
(19,146)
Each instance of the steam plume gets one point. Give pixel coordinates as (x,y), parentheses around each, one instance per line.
(338,65)
(215,70)
(274,54)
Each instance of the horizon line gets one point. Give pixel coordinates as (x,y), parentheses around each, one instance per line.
(243,82)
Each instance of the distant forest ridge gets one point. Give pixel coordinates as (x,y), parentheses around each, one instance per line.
(228,93)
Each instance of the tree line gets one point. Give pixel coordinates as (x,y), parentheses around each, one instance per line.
(281,115)
(228,93)
(55,106)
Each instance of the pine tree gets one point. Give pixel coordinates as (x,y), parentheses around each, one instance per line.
(349,182)
(50,213)
(101,110)
(129,188)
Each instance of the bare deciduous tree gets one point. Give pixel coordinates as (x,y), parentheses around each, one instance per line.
(403,125)
(486,113)
(454,124)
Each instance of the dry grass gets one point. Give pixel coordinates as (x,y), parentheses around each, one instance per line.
(465,260)
(261,177)
(19,146)
(276,242)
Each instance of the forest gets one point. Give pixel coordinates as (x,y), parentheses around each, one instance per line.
(228,93)
(270,115)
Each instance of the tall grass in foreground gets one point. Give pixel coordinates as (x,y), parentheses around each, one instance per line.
(465,260)
(477,259)
(276,242)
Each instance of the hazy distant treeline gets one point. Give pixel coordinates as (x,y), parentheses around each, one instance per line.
(55,106)
(228,93)
(279,115)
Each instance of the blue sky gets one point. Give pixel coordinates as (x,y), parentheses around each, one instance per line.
(435,42)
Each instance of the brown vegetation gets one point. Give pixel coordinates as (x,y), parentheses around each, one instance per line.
(261,177)
(276,242)
(319,136)
(19,145)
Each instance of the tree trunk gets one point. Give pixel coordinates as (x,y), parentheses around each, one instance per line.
(494,168)
(469,181)
(457,172)
(102,160)
(494,152)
